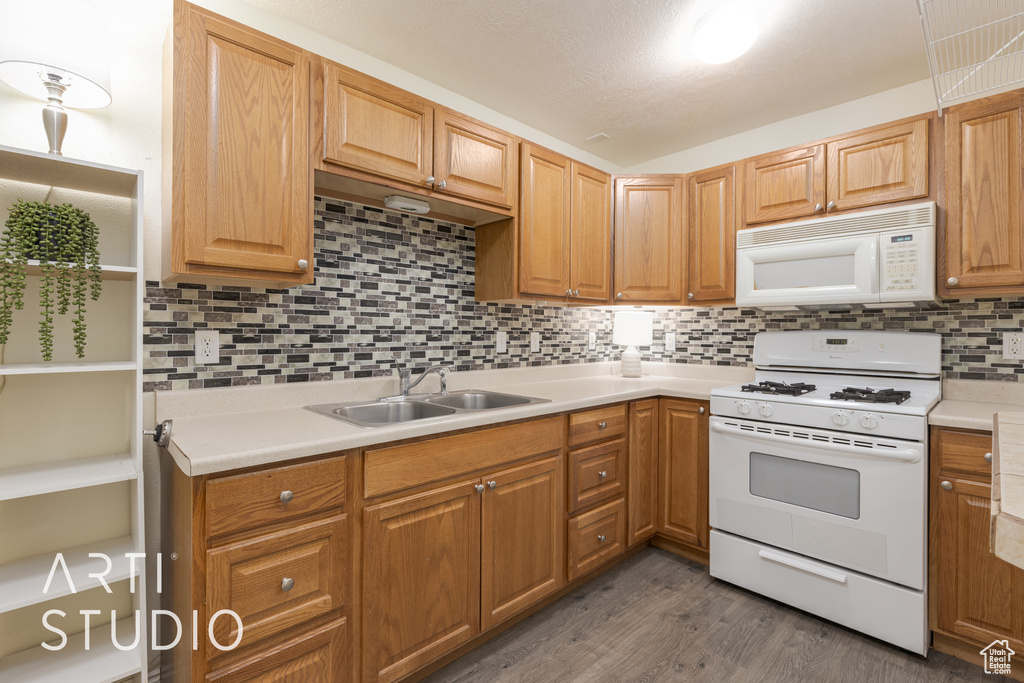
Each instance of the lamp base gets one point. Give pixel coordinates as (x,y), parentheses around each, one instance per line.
(630,362)
(55,119)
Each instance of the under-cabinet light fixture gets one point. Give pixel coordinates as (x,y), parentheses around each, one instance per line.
(406,204)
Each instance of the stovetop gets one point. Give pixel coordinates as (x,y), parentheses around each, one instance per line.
(868,395)
(778,388)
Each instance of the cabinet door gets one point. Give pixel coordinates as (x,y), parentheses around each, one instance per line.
(242,202)
(786,185)
(712,232)
(544,223)
(375,127)
(983,197)
(522,539)
(683,499)
(319,655)
(474,161)
(887,165)
(978,595)
(590,271)
(649,244)
(421,579)
(643,470)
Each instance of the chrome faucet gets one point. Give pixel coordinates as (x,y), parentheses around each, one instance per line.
(405,374)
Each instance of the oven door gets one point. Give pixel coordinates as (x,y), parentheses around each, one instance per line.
(837,270)
(843,498)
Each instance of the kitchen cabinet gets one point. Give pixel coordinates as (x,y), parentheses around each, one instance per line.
(683,473)
(711,230)
(974,595)
(241,202)
(984,232)
(596,537)
(887,163)
(375,128)
(649,245)
(590,234)
(643,470)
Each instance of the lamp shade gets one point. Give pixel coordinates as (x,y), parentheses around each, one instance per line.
(67,36)
(633,328)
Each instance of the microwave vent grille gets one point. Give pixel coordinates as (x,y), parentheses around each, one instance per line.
(902,218)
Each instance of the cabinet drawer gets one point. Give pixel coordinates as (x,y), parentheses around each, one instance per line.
(319,655)
(597,473)
(964,452)
(257,499)
(276,581)
(597,425)
(596,537)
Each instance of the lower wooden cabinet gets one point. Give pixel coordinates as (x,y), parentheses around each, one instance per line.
(319,655)
(683,472)
(975,596)
(643,471)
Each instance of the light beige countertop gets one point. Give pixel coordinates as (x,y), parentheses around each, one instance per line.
(971,404)
(1007,539)
(222,429)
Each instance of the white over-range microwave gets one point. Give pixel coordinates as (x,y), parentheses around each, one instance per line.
(884,257)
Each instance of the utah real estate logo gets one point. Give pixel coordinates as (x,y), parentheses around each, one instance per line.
(997,657)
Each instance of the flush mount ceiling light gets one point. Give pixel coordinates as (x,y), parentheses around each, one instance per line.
(722,35)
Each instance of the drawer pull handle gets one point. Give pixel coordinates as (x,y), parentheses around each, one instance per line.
(479,488)
(287,584)
(602,425)
(802,565)
(492,484)
(602,538)
(286,497)
(946,485)
(602,474)
(988,457)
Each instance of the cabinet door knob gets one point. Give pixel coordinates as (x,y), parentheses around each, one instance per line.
(817,207)
(303,264)
(602,474)
(988,457)
(953,282)
(948,486)
(701,410)
(831,205)
(492,484)
(286,497)
(602,425)
(442,184)
(479,488)
(287,584)
(575,292)
(430,180)
(601,538)
(619,295)
(690,295)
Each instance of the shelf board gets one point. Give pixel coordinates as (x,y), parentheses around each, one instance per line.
(112,273)
(65,475)
(22,582)
(49,169)
(58,368)
(102,663)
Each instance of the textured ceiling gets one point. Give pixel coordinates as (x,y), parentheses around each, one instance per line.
(575,68)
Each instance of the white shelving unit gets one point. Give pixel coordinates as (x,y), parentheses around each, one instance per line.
(68,472)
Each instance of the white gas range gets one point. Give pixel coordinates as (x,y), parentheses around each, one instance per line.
(818,477)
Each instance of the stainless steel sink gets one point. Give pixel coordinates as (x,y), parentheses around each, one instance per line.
(399,409)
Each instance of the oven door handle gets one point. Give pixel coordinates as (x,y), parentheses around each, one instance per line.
(802,565)
(905,455)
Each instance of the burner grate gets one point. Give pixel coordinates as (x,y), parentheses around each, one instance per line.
(871,395)
(779,388)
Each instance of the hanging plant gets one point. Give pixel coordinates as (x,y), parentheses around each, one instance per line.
(65,241)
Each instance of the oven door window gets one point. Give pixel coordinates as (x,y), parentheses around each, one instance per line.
(826,488)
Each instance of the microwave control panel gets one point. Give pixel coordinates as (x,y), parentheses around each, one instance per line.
(902,257)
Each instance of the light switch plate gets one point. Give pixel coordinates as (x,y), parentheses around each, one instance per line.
(534,342)
(207,347)
(501,342)
(670,341)
(592,341)
(1013,345)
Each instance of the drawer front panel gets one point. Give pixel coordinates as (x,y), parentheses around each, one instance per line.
(596,537)
(253,500)
(276,581)
(597,425)
(597,473)
(964,452)
(318,655)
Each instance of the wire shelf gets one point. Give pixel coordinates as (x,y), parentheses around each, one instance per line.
(973,46)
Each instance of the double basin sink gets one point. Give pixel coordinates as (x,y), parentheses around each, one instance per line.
(399,409)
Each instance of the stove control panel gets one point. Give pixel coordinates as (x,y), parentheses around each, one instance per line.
(878,423)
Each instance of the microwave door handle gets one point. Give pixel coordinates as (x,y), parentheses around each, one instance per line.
(802,565)
(904,455)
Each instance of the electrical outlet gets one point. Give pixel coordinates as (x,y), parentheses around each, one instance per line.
(592,341)
(207,347)
(534,342)
(501,342)
(1013,345)
(670,341)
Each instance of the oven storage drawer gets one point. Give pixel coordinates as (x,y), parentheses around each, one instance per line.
(878,608)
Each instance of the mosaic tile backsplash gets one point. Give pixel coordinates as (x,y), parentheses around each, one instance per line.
(394,290)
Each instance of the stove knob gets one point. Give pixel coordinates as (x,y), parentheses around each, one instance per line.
(868,421)
(840,418)
(765,410)
(743,408)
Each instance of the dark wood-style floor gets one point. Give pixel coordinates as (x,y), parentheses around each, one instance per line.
(658,617)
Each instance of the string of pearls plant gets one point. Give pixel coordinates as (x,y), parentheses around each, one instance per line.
(65,241)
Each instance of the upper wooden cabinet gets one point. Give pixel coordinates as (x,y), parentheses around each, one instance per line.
(590,234)
(649,244)
(241,197)
(983,244)
(887,163)
(711,230)
(372,127)
(544,245)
